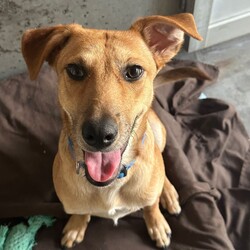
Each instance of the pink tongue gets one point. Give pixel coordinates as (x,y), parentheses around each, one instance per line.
(101,166)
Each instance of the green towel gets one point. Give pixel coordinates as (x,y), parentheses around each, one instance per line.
(3,232)
(22,237)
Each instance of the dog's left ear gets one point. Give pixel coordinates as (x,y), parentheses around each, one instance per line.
(164,35)
(42,44)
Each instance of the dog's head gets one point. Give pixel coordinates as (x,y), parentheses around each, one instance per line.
(106,80)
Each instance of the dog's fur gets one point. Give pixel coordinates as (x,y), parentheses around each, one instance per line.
(104,97)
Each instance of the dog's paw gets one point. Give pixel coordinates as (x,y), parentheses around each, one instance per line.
(74,231)
(159,230)
(170,200)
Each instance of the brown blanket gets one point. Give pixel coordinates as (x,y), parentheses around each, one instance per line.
(207,158)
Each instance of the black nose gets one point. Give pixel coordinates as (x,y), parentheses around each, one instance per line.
(100,133)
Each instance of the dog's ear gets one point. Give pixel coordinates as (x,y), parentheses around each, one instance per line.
(164,35)
(42,44)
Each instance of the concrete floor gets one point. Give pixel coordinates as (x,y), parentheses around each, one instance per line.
(233,85)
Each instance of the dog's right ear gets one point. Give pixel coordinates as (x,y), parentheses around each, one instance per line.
(164,35)
(43,44)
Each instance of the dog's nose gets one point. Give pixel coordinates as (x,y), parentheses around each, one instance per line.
(100,134)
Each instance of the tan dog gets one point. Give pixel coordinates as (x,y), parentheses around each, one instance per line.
(109,161)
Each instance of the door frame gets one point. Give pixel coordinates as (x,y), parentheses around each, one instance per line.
(214,32)
(202,13)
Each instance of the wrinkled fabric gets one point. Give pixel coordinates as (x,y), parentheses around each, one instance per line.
(207,158)
(29,125)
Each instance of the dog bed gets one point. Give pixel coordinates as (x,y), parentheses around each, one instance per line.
(207,158)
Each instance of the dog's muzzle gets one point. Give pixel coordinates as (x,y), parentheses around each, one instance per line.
(101,165)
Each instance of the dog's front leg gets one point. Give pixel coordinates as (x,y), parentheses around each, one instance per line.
(169,198)
(74,231)
(157,226)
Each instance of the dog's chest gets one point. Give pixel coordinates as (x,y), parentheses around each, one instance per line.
(112,206)
(115,213)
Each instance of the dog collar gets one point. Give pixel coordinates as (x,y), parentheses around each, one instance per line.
(123,172)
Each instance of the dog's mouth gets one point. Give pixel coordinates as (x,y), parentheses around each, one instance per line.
(102,167)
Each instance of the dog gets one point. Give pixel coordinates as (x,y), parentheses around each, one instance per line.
(109,161)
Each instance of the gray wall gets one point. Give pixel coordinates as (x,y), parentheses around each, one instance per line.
(19,15)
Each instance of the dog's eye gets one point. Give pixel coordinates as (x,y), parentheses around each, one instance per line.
(133,73)
(76,72)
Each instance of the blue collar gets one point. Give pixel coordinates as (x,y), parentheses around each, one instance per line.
(123,172)
(125,168)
